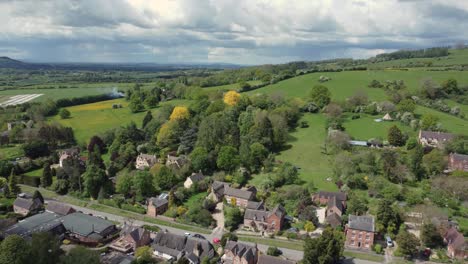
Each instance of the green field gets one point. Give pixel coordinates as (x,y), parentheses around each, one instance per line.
(34,173)
(449,122)
(366,128)
(11,152)
(345,84)
(306,152)
(91,119)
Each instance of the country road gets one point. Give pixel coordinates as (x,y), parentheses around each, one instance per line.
(291,254)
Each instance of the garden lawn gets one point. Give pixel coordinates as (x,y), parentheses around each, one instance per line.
(195,199)
(34,173)
(306,152)
(344,84)
(91,119)
(365,128)
(228,87)
(11,152)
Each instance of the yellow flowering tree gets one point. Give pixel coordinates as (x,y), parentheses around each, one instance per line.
(180,112)
(231,98)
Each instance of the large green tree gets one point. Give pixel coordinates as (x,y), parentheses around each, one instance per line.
(320,95)
(326,249)
(13,187)
(430,236)
(81,255)
(95,178)
(388,219)
(407,244)
(45,248)
(46,178)
(15,250)
(395,136)
(199,158)
(228,159)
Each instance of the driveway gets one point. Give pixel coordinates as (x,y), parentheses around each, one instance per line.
(218,215)
(321,214)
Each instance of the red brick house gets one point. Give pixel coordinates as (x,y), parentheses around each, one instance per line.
(238,253)
(458,162)
(59,208)
(360,232)
(263,220)
(323,197)
(457,247)
(157,206)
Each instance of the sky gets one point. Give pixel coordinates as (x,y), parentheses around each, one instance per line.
(229,31)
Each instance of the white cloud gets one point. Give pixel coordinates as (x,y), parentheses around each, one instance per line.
(238,31)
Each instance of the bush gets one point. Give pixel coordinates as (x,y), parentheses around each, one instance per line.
(291,236)
(378,249)
(133,208)
(273,251)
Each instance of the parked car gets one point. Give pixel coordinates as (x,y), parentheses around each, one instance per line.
(389,241)
(187,234)
(216,241)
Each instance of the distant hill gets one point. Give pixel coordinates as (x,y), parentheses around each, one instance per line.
(6,62)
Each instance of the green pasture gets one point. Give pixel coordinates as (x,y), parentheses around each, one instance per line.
(305,151)
(344,84)
(366,128)
(91,119)
(11,152)
(228,87)
(449,122)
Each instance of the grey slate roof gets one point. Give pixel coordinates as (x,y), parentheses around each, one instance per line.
(241,250)
(364,223)
(335,202)
(135,232)
(59,208)
(255,205)
(265,259)
(177,246)
(439,136)
(157,202)
(340,195)
(37,223)
(196,176)
(86,225)
(334,220)
(26,203)
(239,193)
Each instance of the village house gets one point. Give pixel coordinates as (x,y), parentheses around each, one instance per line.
(88,229)
(323,197)
(434,139)
(23,124)
(256,205)
(334,220)
(175,161)
(263,220)
(131,238)
(195,177)
(27,206)
(457,247)
(360,232)
(265,259)
(157,206)
(237,197)
(144,161)
(335,206)
(66,154)
(458,162)
(43,222)
(239,253)
(173,247)
(59,208)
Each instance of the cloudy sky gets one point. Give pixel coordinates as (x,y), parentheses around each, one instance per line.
(232,31)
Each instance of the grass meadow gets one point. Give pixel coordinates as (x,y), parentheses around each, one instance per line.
(366,128)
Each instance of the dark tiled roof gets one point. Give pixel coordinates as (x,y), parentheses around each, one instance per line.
(243,194)
(440,136)
(459,157)
(59,208)
(177,245)
(265,259)
(85,225)
(339,195)
(257,215)
(26,203)
(255,205)
(158,202)
(135,232)
(241,250)
(196,177)
(335,202)
(364,223)
(37,223)
(334,220)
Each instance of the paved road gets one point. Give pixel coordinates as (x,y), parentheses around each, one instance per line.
(288,253)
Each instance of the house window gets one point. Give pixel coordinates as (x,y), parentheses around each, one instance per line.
(352,242)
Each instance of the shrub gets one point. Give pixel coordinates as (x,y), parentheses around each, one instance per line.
(378,249)
(273,251)
(133,208)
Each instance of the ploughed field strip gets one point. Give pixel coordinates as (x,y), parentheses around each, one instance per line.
(19,99)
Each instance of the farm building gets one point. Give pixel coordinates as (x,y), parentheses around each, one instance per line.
(88,229)
(43,222)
